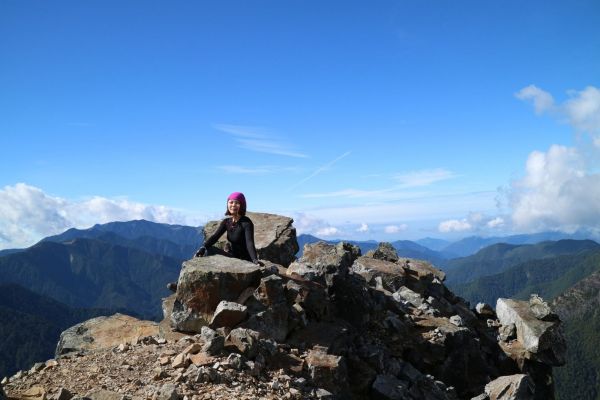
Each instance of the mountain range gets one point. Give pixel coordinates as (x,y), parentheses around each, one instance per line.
(124,266)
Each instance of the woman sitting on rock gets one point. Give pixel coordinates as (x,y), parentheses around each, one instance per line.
(240,232)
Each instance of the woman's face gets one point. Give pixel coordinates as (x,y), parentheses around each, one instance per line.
(233,206)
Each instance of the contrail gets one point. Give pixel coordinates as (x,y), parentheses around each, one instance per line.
(319,170)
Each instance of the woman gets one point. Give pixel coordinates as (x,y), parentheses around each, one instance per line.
(240,232)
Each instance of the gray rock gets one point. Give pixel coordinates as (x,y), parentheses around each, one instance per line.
(228,314)
(207,375)
(323,394)
(406,296)
(327,371)
(389,387)
(103,333)
(167,392)
(274,237)
(456,320)
(62,394)
(323,261)
(511,387)
(544,339)
(2,394)
(507,332)
(384,251)
(206,281)
(421,269)
(102,394)
(213,342)
(246,341)
(541,309)
(235,361)
(485,310)
(271,323)
(386,274)
(270,291)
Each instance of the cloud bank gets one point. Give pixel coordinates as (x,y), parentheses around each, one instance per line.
(27,214)
(561,187)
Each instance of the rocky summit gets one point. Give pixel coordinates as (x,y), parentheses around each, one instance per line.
(331,325)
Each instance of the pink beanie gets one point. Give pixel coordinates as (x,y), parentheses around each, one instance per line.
(239,197)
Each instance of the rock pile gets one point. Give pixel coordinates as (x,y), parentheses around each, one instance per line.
(332,325)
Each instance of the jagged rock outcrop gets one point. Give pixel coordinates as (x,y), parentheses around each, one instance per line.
(538,329)
(384,251)
(513,387)
(334,324)
(104,332)
(274,237)
(206,281)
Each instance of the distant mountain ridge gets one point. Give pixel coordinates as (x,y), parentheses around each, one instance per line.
(176,241)
(548,277)
(471,245)
(502,256)
(93,273)
(33,322)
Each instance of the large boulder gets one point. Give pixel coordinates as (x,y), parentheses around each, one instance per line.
(274,237)
(544,340)
(380,273)
(384,251)
(511,387)
(323,262)
(103,333)
(206,281)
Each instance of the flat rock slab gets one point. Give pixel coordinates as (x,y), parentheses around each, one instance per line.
(104,333)
(228,314)
(391,274)
(511,387)
(206,281)
(422,269)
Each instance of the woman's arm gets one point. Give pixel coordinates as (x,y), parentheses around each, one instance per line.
(215,236)
(249,234)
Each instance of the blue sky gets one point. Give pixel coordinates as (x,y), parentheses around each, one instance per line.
(365,120)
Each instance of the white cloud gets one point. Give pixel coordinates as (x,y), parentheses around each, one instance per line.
(542,100)
(495,223)
(581,110)
(312,225)
(329,231)
(28,214)
(557,192)
(424,177)
(363,228)
(560,189)
(474,221)
(455,225)
(395,228)
(256,139)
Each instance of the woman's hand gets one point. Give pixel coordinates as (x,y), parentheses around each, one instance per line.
(201,252)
